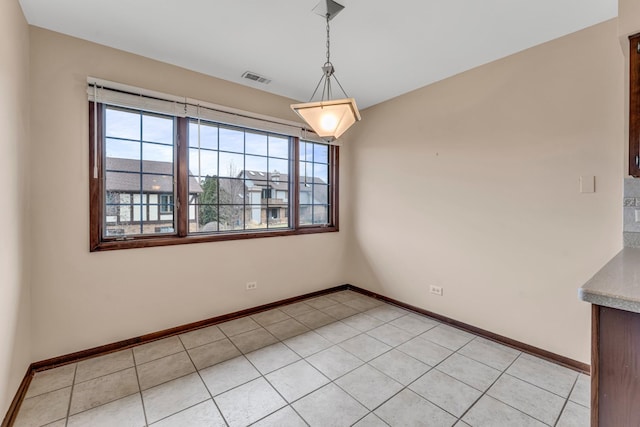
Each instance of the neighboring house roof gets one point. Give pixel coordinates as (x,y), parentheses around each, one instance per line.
(266,180)
(161,180)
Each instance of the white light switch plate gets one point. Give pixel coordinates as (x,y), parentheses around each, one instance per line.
(587,184)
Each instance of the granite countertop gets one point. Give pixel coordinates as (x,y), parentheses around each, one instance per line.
(617,284)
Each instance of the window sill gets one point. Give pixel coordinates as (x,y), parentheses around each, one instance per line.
(153,241)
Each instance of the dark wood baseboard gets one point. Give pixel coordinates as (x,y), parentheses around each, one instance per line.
(12,413)
(544,354)
(131,342)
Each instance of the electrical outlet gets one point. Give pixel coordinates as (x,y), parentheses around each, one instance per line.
(436,290)
(252,286)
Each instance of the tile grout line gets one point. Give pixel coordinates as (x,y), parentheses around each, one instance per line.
(578,403)
(50,391)
(519,410)
(520,379)
(566,401)
(201,345)
(489,388)
(103,404)
(433,403)
(263,376)
(110,373)
(372,413)
(526,382)
(73,383)
(300,355)
(204,382)
(273,323)
(404,387)
(478,337)
(540,387)
(181,411)
(144,409)
(135,365)
(461,381)
(415,358)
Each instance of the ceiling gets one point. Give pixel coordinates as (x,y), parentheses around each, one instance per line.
(380,48)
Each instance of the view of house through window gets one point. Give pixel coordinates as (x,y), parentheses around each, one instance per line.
(238,175)
(237,180)
(139,173)
(314,183)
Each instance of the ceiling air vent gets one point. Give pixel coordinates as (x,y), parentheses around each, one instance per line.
(256,77)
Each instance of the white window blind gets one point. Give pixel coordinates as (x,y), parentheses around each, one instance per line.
(120,95)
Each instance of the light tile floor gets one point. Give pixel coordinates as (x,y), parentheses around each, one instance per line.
(337,360)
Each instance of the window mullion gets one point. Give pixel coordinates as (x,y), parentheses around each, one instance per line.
(295,191)
(141,179)
(181,208)
(334,176)
(218,177)
(244,181)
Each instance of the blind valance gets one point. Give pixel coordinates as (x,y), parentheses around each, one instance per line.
(121,95)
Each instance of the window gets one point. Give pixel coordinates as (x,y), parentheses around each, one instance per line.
(138,166)
(227,182)
(315,201)
(166,204)
(233,170)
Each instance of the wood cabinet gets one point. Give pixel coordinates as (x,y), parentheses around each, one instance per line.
(615,368)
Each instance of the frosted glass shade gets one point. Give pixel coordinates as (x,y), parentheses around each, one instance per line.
(329,119)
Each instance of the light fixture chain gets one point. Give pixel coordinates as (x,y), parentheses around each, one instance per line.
(328,119)
(328,41)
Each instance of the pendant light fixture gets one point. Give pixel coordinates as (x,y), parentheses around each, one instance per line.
(329,118)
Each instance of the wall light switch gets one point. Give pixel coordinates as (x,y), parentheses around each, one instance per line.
(637,212)
(587,184)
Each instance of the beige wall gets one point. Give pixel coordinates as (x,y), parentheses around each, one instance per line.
(83,299)
(472,184)
(628,17)
(15,353)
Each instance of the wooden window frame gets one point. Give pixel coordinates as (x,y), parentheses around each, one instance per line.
(312,205)
(181,209)
(634,105)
